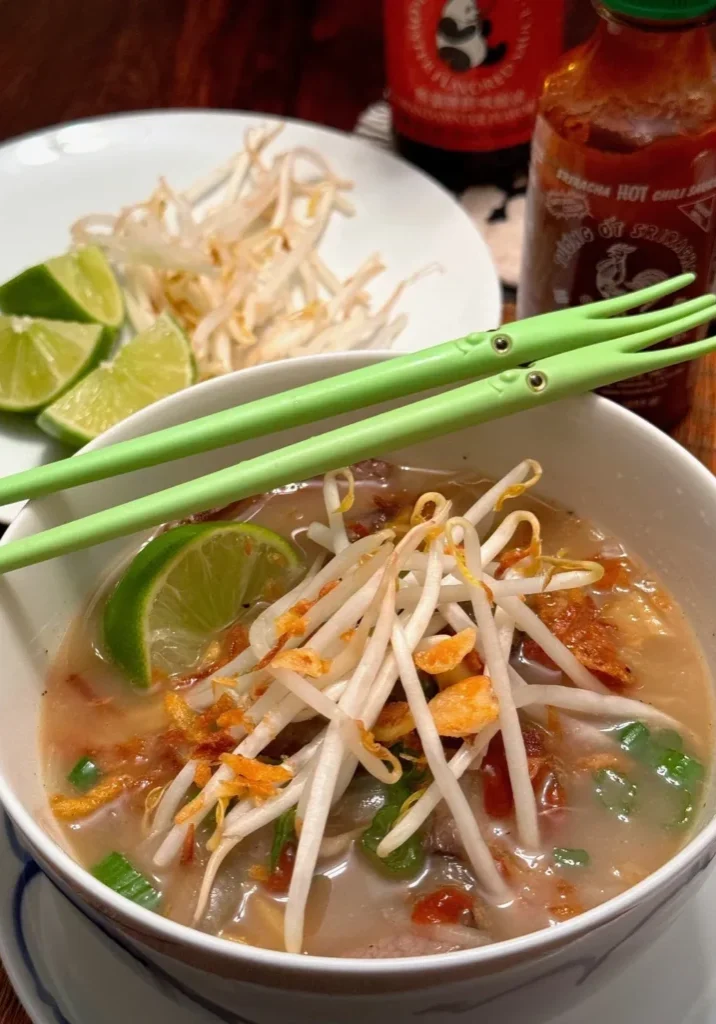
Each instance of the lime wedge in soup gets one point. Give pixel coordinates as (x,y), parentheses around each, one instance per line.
(185,588)
(39,359)
(79,285)
(156,363)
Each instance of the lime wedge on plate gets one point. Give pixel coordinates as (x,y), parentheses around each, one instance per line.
(156,363)
(79,285)
(39,359)
(186,587)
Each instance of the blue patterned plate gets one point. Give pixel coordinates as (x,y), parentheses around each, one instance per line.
(66,970)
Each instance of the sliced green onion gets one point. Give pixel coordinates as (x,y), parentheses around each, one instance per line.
(670,739)
(685,810)
(663,752)
(635,739)
(679,769)
(85,774)
(117,873)
(571,858)
(284,832)
(616,791)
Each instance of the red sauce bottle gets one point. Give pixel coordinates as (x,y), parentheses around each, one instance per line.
(623,180)
(463,81)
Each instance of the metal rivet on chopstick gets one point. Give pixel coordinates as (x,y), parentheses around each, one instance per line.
(502,343)
(536,381)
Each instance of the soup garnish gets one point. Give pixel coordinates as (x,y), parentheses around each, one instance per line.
(377,731)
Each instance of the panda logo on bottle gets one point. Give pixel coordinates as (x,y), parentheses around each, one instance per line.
(463,37)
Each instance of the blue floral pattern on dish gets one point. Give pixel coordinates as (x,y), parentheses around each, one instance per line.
(167,985)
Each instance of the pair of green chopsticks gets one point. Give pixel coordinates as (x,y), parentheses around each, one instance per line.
(533,362)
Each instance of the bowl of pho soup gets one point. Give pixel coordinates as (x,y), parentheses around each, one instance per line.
(413,738)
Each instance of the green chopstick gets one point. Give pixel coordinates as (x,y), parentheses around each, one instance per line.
(464,358)
(513,390)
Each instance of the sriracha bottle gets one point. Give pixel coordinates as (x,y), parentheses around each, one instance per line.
(622,187)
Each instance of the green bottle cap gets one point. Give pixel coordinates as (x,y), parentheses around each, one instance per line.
(661,10)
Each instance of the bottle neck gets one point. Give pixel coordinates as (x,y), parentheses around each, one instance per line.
(676,54)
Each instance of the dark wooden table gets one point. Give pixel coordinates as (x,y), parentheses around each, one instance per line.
(61,59)
(315,59)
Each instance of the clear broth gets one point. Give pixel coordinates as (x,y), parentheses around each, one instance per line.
(352,909)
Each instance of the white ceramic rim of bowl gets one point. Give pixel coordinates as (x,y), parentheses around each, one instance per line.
(486,956)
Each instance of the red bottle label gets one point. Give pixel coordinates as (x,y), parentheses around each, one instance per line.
(602,224)
(466,74)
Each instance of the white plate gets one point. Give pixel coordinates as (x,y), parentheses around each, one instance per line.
(50,179)
(66,970)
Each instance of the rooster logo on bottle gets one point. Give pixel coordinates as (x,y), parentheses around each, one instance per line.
(463,37)
(613,276)
(612,273)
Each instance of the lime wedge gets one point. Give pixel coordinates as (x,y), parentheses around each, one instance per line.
(79,285)
(39,359)
(186,587)
(156,363)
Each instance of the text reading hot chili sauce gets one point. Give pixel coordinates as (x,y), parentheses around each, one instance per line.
(623,179)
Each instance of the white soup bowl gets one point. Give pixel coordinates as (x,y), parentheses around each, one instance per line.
(598,460)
